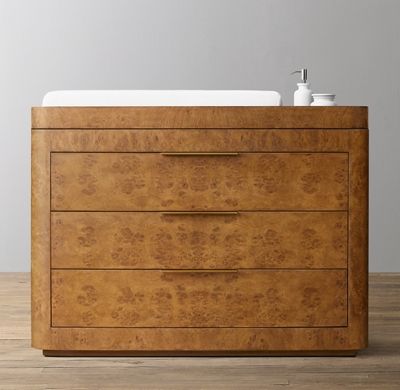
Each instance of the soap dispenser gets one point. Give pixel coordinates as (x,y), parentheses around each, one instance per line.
(303,94)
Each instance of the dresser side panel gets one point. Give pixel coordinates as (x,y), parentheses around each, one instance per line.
(40,247)
(358,236)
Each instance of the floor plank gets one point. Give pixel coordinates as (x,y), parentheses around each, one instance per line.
(15,305)
(22,367)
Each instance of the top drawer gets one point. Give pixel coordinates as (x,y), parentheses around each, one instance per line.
(156,181)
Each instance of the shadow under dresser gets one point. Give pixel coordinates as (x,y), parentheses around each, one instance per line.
(199,230)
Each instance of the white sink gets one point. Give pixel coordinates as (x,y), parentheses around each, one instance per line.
(93,98)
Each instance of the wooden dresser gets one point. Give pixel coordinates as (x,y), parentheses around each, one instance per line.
(199,230)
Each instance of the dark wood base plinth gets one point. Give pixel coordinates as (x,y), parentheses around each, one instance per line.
(54,353)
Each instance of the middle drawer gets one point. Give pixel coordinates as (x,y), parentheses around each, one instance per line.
(223,240)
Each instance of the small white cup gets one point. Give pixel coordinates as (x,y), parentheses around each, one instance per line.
(323,99)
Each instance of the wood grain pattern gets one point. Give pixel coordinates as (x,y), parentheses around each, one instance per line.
(195,140)
(199,117)
(153,240)
(212,340)
(151,181)
(40,250)
(159,299)
(358,237)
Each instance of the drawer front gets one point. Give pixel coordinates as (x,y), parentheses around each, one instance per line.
(199,299)
(153,181)
(199,240)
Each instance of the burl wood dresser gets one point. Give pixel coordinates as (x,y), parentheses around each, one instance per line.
(199,230)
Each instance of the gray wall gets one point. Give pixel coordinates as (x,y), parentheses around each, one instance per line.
(350,47)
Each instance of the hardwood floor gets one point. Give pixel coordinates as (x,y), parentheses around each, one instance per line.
(22,367)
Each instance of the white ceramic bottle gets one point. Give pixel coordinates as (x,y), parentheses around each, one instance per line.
(303,94)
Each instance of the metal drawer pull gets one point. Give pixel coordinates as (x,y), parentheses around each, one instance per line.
(222,213)
(211,154)
(200,271)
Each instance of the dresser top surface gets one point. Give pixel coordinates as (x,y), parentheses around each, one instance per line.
(339,117)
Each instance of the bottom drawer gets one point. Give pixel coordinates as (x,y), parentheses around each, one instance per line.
(155,298)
